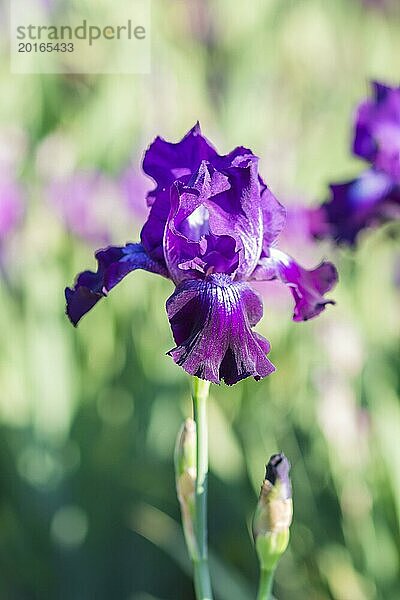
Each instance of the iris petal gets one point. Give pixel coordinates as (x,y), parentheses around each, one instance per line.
(237,211)
(274,217)
(211,320)
(113,264)
(179,162)
(307,286)
(370,199)
(167,162)
(215,206)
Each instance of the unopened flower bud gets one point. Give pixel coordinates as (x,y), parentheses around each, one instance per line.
(274,512)
(185,476)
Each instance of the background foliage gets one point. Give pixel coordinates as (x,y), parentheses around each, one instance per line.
(89,416)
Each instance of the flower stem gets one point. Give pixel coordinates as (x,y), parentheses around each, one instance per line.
(200,563)
(265,586)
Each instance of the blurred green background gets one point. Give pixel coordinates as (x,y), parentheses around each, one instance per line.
(88,417)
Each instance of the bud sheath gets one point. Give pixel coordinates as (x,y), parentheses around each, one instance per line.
(272,519)
(185,477)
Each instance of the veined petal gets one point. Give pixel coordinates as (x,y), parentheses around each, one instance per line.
(216,212)
(307,286)
(113,264)
(211,320)
(182,163)
(167,162)
(189,244)
(274,217)
(236,211)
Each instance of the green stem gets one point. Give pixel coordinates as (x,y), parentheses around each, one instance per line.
(202,583)
(265,586)
(200,564)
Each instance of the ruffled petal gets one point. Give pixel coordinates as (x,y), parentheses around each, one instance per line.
(366,201)
(167,163)
(217,212)
(211,320)
(113,264)
(237,211)
(307,286)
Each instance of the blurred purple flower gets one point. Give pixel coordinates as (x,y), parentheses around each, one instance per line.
(298,234)
(13,144)
(11,205)
(134,190)
(369,200)
(201,22)
(381,4)
(212,227)
(87,202)
(377,130)
(373,197)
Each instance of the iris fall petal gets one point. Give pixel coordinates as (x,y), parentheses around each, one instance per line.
(113,264)
(212,320)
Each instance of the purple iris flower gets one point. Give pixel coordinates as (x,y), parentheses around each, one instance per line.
(366,201)
(373,197)
(377,130)
(211,229)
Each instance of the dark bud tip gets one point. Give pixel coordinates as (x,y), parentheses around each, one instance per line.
(277,472)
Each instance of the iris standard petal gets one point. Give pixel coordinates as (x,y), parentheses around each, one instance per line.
(167,162)
(113,264)
(307,286)
(216,205)
(189,245)
(237,211)
(211,320)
